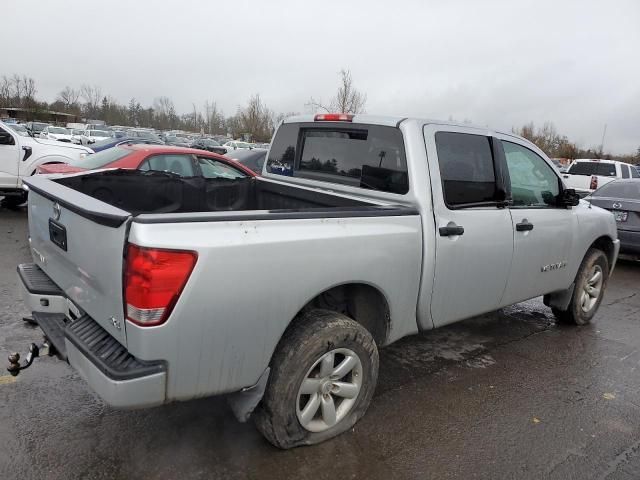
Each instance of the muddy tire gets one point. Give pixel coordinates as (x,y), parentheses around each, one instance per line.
(590,284)
(323,376)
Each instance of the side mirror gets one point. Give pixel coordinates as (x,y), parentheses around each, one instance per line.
(569,198)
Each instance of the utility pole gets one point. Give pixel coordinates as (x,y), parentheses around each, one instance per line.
(604,132)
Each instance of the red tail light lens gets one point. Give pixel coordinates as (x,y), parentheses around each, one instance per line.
(153,282)
(594,183)
(333,117)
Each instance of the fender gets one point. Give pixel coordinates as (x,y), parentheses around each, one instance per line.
(36,162)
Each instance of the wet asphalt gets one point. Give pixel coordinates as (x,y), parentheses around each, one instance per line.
(506,395)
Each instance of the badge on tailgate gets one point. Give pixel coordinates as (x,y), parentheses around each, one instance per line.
(58,234)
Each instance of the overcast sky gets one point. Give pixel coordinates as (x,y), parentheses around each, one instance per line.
(502,64)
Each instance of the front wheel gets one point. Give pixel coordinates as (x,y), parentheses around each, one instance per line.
(323,376)
(591,282)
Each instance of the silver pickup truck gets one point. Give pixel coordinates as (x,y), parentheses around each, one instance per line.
(279,290)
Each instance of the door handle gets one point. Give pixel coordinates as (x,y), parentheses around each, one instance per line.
(524,226)
(450,231)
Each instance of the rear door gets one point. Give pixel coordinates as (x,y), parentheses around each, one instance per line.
(79,242)
(474,236)
(543,232)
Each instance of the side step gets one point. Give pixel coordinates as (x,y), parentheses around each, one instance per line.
(36,281)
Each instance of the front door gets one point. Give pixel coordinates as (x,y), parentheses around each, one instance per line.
(9,159)
(474,236)
(542,230)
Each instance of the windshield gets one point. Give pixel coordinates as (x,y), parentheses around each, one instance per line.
(76,131)
(21,129)
(629,190)
(99,133)
(59,130)
(100,159)
(38,126)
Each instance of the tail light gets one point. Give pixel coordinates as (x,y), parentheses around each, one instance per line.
(333,117)
(594,183)
(153,282)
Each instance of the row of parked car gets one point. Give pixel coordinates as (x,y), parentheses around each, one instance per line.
(23,153)
(100,136)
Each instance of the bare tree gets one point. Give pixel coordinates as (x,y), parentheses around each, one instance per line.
(16,83)
(29,90)
(213,118)
(6,91)
(92,97)
(348,99)
(69,97)
(255,120)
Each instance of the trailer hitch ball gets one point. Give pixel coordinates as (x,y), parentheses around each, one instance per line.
(14,364)
(14,360)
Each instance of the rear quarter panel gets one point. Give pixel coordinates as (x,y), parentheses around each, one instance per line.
(253,277)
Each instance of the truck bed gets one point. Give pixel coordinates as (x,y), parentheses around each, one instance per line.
(157,192)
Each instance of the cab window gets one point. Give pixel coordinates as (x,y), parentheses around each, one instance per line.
(533,181)
(625,170)
(466,169)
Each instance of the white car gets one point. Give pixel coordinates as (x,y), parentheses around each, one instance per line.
(56,133)
(235,145)
(93,136)
(76,135)
(20,156)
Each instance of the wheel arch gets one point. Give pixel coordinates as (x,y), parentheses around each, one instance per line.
(605,244)
(45,160)
(361,301)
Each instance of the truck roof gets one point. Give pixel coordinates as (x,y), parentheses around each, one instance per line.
(394,121)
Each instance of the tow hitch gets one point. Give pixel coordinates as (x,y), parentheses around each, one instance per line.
(34,351)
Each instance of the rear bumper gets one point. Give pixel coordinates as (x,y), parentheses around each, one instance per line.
(629,241)
(143,391)
(119,378)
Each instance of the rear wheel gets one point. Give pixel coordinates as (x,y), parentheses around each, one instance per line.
(590,284)
(322,379)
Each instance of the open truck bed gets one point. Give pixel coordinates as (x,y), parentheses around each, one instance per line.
(258,243)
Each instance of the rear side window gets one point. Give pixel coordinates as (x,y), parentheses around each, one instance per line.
(625,170)
(364,156)
(634,172)
(466,169)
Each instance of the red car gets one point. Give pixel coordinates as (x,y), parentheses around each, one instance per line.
(186,162)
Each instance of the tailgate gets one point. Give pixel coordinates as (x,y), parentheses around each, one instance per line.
(79,242)
(577,182)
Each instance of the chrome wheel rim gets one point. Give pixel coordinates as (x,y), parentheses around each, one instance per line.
(329,390)
(592,289)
